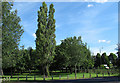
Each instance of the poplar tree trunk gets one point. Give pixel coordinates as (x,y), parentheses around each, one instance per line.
(71,71)
(78,68)
(47,70)
(75,70)
(11,72)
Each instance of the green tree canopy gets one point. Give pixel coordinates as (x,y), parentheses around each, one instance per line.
(11,33)
(75,52)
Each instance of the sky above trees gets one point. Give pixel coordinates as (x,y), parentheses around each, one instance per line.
(97,23)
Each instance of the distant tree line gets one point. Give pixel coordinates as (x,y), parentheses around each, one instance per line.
(72,54)
(111,60)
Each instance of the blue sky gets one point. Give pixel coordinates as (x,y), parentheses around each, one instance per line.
(97,23)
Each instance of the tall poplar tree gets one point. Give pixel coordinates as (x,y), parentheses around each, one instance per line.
(45,37)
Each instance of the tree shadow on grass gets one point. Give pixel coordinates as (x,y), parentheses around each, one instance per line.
(57,74)
(113,79)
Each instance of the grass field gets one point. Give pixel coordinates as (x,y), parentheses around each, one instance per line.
(55,76)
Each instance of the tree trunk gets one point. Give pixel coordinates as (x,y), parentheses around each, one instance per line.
(11,72)
(78,68)
(66,69)
(29,71)
(71,71)
(1,72)
(75,71)
(21,71)
(47,70)
(14,72)
(43,70)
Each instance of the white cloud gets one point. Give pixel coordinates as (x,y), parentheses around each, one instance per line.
(103,41)
(90,5)
(34,35)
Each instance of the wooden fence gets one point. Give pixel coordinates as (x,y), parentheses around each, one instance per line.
(90,71)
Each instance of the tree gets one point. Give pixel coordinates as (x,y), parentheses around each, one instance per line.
(98,60)
(0,27)
(11,33)
(75,52)
(118,50)
(89,62)
(25,60)
(118,59)
(21,62)
(112,57)
(104,59)
(45,41)
(30,59)
(59,59)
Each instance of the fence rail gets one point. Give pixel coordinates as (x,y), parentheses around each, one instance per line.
(90,72)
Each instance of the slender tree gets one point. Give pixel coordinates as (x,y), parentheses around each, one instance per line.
(45,41)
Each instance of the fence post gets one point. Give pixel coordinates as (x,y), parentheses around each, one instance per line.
(52,77)
(97,75)
(75,76)
(83,75)
(103,74)
(9,78)
(59,77)
(26,77)
(67,77)
(90,75)
(18,77)
(3,79)
(34,77)
(6,79)
(108,73)
(44,77)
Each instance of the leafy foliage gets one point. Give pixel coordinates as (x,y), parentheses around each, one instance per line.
(11,33)
(72,52)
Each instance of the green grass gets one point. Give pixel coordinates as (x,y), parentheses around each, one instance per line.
(55,76)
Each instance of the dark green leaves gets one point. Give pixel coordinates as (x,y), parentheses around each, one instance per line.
(11,33)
